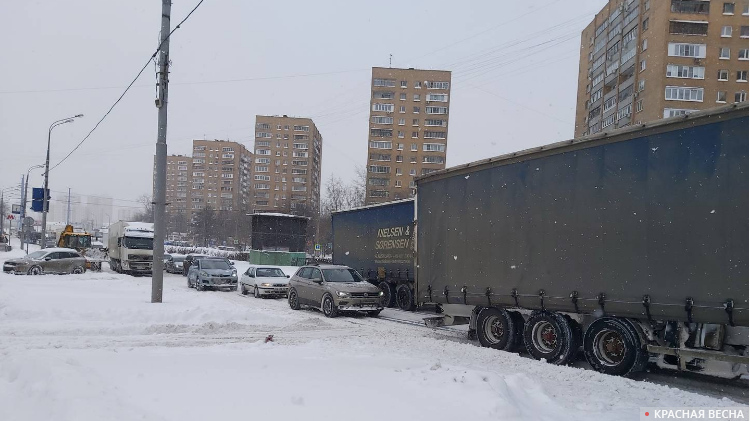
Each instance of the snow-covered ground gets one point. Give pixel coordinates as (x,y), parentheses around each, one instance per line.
(92,347)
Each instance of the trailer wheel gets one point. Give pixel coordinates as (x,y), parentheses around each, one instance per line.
(613,346)
(405,298)
(389,294)
(496,329)
(548,336)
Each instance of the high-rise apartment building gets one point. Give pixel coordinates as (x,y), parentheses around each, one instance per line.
(286,169)
(220,176)
(642,60)
(408,129)
(179,182)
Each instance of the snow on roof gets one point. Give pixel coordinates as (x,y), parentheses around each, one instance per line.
(279,214)
(53,249)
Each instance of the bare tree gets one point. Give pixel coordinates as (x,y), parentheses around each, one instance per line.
(147,214)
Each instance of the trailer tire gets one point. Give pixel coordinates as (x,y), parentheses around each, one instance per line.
(405,298)
(496,329)
(613,346)
(548,336)
(389,294)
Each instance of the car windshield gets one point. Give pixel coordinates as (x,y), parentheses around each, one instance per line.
(78,241)
(37,254)
(138,243)
(341,275)
(269,273)
(214,264)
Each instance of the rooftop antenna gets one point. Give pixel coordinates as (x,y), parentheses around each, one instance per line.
(390,60)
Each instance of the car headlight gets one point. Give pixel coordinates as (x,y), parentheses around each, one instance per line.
(265,284)
(342,294)
(204,274)
(234,272)
(380,293)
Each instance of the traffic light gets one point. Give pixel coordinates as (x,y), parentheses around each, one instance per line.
(37,199)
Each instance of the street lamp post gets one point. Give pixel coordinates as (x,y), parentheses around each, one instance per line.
(24,195)
(45,207)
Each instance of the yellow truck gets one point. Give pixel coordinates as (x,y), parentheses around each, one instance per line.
(81,241)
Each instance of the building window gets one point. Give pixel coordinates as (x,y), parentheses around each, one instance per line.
(686,50)
(401,121)
(643,65)
(721,96)
(740,96)
(397,183)
(399,158)
(415,135)
(382,120)
(415,122)
(723,75)
(437,85)
(608,121)
(596,96)
(688,28)
(724,53)
(416,110)
(380,169)
(390,83)
(436,110)
(433,147)
(400,147)
(639,106)
(433,159)
(726,31)
(402,109)
(382,107)
(400,134)
(418,85)
(434,135)
(402,97)
(693,7)
(728,9)
(686,72)
(381,145)
(398,171)
(436,97)
(417,97)
(742,76)
(644,45)
(742,55)
(413,159)
(403,84)
(674,112)
(412,172)
(641,85)
(680,93)
(645,25)
(597,79)
(744,31)
(413,147)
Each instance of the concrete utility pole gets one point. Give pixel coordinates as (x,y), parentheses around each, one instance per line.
(160,177)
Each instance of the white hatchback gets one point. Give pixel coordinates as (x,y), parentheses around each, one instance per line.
(264,281)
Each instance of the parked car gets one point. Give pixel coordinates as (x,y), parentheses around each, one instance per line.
(212,273)
(333,289)
(264,281)
(51,260)
(189,261)
(174,263)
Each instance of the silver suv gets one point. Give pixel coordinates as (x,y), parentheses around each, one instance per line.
(333,289)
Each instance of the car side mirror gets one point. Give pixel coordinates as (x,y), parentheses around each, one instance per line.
(317,280)
(47,259)
(287,276)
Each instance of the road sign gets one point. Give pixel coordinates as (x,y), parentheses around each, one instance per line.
(236,241)
(16,209)
(10,217)
(317,247)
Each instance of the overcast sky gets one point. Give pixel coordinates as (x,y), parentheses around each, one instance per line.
(514,77)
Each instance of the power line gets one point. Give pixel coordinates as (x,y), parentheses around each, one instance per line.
(129,86)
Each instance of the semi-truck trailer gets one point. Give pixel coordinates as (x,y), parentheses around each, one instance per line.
(631,245)
(377,241)
(131,247)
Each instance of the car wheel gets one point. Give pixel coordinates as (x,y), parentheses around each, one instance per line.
(77,270)
(293,299)
(329,306)
(256,292)
(199,286)
(374,313)
(35,270)
(243,291)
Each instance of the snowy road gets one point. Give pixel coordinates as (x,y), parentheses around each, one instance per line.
(92,347)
